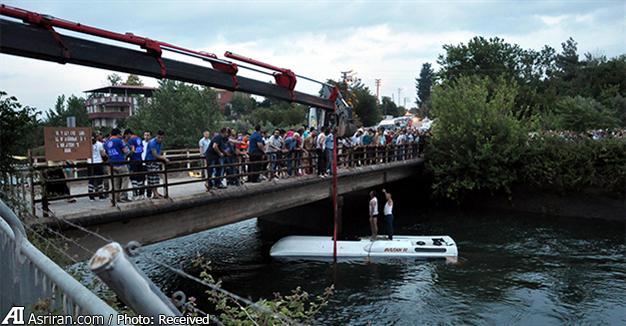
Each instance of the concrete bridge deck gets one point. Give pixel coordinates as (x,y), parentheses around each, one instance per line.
(190,209)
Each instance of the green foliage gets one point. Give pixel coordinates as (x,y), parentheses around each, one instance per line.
(283,115)
(424,85)
(114,79)
(494,58)
(241,105)
(299,306)
(579,114)
(555,163)
(181,110)
(388,107)
(476,141)
(366,110)
(365,105)
(133,80)
(73,106)
(17,125)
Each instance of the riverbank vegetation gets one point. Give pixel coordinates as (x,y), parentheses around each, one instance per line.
(507,116)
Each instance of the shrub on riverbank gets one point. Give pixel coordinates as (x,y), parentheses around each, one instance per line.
(480,147)
(564,165)
(477,142)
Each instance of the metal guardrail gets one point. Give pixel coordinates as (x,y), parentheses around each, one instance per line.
(29,277)
(233,171)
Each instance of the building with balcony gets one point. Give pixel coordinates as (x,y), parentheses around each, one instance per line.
(108,105)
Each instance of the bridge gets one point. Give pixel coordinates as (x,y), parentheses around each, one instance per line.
(189,208)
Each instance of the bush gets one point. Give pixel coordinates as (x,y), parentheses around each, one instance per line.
(563,165)
(579,114)
(477,142)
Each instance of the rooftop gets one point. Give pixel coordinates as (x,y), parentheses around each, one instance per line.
(124,89)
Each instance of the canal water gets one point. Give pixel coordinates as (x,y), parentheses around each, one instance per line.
(513,269)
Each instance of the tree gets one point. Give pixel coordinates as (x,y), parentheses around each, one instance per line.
(242,104)
(114,79)
(567,61)
(17,127)
(496,59)
(183,111)
(477,142)
(388,107)
(72,107)
(133,80)
(424,84)
(280,115)
(366,106)
(580,114)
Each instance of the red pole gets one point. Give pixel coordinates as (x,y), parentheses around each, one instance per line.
(335,208)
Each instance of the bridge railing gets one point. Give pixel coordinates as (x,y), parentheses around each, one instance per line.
(33,281)
(53,183)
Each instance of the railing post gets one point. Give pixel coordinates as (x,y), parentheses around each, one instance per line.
(166,188)
(31,171)
(188,163)
(44,195)
(112,180)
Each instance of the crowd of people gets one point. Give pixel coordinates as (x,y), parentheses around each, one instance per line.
(285,153)
(128,156)
(595,134)
(232,158)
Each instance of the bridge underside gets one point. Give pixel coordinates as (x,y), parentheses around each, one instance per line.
(154,221)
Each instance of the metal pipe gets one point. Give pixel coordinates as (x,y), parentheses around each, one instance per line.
(131,285)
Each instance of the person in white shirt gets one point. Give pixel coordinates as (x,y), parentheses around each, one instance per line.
(388,210)
(147,136)
(203,145)
(98,154)
(373,212)
(320,146)
(274,150)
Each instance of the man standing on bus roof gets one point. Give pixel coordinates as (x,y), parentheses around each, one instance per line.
(388,214)
(373,211)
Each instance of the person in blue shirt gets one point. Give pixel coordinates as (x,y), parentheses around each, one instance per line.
(153,155)
(256,150)
(215,158)
(291,144)
(117,151)
(328,148)
(135,144)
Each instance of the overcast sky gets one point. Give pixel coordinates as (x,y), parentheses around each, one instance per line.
(389,40)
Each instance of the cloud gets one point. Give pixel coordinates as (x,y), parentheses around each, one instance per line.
(388,40)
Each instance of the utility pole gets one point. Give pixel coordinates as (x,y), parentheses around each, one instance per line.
(346,76)
(377,81)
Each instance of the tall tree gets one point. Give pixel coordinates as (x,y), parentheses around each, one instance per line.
(241,105)
(133,80)
(114,79)
(494,58)
(365,105)
(388,107)
(183,111)
(17,127)
(72,107)
(567,61)
(424,84)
